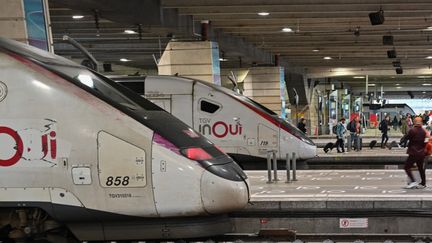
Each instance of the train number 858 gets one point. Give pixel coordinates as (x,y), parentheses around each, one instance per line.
(117,181)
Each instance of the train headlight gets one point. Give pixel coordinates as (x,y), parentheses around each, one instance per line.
(196,154)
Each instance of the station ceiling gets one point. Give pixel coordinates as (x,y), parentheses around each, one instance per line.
(302,32)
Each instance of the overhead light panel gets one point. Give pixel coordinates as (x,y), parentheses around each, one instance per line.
(263,13)
(327,58)
(372,85)
(377,18)
(398,87)
(397,84)
(223,59)
(358,77)
(315,50)
(78,16)
(124,60)
(130,32)
(286,29)
(427,84)
(428,57)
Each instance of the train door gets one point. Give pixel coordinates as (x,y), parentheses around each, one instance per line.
(267,138)
(122,170)
(179,106)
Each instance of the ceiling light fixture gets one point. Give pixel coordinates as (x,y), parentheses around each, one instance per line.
(124,60)
(427,84)
(398,87)
(223,59)
(424,92)
(371,85)
(286,29)
(397,84)
(130,32)
(263,13)
(315,50)
(327,58)
(358,77)
(77,16)
(428,57)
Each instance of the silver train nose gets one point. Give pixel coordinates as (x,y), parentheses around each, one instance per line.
(220,195)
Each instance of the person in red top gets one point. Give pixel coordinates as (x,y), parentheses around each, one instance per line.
(416,153)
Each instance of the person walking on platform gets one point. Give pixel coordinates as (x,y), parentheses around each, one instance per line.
(302,125)
(384,127)
(340,131)
(416,153)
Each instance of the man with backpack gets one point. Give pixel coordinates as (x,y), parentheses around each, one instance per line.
(354,128)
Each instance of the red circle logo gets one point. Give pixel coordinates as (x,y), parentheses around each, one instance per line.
(225,129)
(19,147)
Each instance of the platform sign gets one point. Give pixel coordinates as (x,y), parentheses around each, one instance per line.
(346,223)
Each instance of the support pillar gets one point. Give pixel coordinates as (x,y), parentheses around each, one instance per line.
(199,60)
(266,85)
(12,20)
(26,21)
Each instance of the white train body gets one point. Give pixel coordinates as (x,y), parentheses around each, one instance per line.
(243,128)
(78,147)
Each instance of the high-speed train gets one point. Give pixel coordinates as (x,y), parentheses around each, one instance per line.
(82,154)
(242,127)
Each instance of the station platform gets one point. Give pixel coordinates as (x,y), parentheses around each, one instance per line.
(366,158)
(322,141)
(338,202)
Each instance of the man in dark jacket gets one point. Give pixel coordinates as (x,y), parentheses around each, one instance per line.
(302,125)
(384,127)
(416,153)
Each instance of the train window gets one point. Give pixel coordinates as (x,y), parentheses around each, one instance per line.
(208,107)
(137,87)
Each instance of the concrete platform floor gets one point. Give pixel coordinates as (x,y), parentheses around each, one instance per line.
(340,185)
